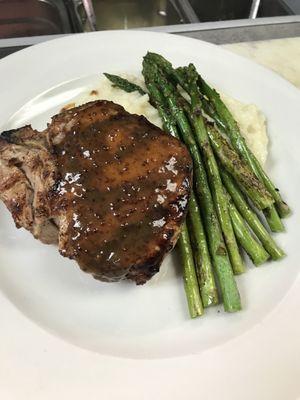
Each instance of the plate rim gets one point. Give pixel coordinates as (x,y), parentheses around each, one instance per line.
(67,349)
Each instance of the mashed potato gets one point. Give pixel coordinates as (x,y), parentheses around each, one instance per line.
(251,121)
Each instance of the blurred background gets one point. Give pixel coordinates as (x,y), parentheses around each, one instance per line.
(25,18)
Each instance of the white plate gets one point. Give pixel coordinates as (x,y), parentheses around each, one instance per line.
(251,354)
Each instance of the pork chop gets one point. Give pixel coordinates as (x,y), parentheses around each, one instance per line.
(108,186)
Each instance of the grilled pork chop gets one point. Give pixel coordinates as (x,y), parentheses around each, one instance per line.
(108,186)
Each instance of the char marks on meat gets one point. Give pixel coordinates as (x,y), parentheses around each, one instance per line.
(108,186)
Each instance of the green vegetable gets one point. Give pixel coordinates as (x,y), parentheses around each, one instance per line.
(221,262)
(251,218)
(254,249)
(232,130)
(238,168)
(124,84)
(203,265)
(189,274)
(202,259)
(218,193)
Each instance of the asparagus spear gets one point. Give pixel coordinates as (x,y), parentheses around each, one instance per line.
(240,145)
(270,213)
(189,274)
(282,208)
(208,289)
(206,278)
(251,218)
(124,84)
(273,219)
(216,185)
(231,297)
(238,168)
(254,249)
(166,66)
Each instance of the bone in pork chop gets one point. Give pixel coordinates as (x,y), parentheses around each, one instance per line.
(111,188)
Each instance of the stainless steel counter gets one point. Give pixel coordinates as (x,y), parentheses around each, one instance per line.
(215,32)
(245,30)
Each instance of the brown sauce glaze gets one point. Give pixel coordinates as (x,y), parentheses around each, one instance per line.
(129,185)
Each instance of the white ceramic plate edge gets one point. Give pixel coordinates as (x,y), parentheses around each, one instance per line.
(36,365)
